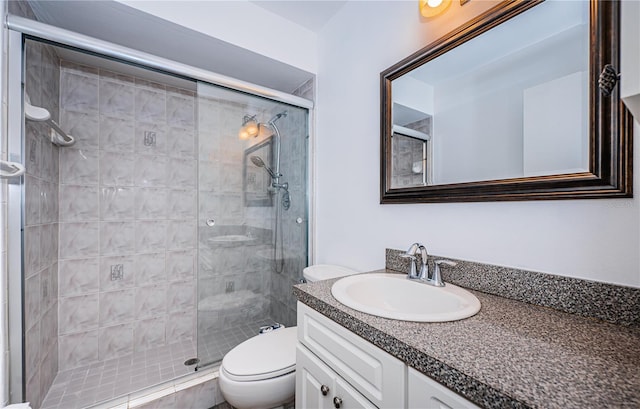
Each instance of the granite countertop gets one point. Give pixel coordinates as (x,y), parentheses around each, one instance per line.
(511,354)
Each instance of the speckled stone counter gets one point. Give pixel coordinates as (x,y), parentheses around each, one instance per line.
(510,355)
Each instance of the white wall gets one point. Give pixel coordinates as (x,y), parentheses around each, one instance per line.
(413,93)
(240,23)
(592,239)
(550,145)
(480,147)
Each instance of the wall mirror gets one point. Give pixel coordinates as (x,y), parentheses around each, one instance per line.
(256,180)
(508,107)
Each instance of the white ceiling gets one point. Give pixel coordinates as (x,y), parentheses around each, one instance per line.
(311,14)
(114,22)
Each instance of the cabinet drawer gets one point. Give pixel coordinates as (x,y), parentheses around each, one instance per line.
(424,392)
(377,375)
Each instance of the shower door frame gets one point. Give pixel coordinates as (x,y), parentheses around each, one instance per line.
(19,29)
(15,216)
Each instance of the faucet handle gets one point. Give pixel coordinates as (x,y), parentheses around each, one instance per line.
(413,269)
(447,262)
(437,278)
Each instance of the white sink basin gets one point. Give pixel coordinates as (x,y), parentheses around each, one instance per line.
(394,296)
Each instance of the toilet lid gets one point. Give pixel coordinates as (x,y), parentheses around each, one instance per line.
(263,356)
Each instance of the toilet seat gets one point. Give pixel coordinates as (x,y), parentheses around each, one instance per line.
(262,357)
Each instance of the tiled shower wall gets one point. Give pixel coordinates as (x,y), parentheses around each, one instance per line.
(127,215)
(294,240)
(113,218)
(233,275)
(295,147)
(41,226)
(258,290)
(405,152)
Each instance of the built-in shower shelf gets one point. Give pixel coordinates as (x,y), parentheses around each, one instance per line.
(230,310)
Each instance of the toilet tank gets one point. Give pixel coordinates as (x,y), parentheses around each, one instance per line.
(318,272)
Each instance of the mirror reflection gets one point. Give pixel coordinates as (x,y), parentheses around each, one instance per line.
(512,102)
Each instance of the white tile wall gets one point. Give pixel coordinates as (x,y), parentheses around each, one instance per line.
(84,127)
(41,227)
(78,313)
(116,134)
(294,166)
(127,202)
(78,203)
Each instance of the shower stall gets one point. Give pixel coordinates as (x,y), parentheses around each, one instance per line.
(169,230)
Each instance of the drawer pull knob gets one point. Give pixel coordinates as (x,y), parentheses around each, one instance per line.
(324,389)
(337,402)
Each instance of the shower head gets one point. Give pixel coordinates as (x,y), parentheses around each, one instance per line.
(245,133)
(257,160)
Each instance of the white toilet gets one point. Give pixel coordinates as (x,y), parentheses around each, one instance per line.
(260,372)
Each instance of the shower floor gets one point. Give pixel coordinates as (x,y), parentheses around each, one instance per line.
(214,346)
(102,381)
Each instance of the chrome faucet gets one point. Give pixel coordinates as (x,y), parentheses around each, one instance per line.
(411,255)
(413,267)
(423,275)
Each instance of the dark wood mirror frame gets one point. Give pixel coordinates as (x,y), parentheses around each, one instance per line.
(610,123)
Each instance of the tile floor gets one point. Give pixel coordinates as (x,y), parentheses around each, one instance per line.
(85,386)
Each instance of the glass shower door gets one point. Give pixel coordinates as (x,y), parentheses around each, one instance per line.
(252,212)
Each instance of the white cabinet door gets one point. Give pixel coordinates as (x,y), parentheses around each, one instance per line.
(314,383)
(317,386)
(425,393)
(376,374)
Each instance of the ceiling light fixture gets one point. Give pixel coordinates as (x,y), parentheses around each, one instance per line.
(250,127)
(431,8)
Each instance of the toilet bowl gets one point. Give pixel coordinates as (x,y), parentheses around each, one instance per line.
(260,372)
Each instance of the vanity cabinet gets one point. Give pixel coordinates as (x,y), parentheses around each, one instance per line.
(336,368)
(329,353)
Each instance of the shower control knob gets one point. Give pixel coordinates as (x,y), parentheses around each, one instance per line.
(210,222)
(324,389)
(299,220)
(337,402)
